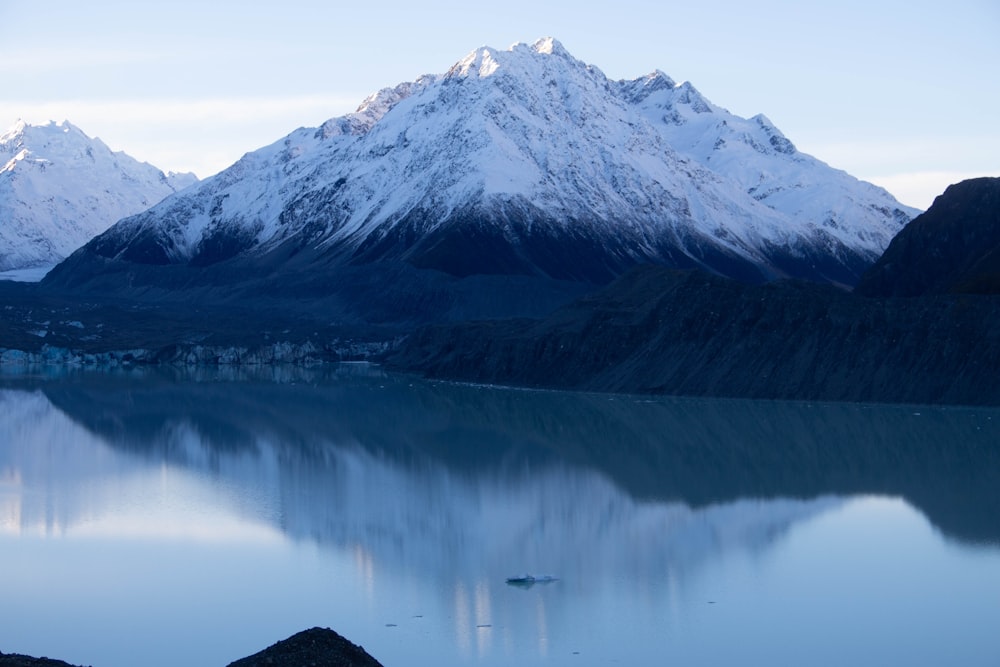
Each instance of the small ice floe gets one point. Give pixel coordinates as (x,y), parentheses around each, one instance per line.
(529,580)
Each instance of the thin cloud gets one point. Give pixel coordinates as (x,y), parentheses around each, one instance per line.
(42,61)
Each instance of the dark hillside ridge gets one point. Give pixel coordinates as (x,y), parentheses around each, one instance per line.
(954,247)
(661,331)
(395,295)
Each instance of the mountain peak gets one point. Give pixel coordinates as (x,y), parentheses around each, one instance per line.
(15,130)
(637,90)
(66,127)
(22,134)
(549,46)
(486,60)
(480,63)
(515,162)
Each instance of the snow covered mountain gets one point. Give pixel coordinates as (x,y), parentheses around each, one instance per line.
(520,162)
(59,188)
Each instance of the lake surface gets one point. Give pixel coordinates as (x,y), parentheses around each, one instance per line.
(163,517)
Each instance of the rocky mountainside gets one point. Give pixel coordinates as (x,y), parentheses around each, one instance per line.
(59,188)
(519,162)
(661,331)
(952,248)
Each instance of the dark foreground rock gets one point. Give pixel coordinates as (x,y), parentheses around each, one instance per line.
(16,660)
(318,647)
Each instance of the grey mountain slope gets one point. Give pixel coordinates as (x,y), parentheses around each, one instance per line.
(656,330)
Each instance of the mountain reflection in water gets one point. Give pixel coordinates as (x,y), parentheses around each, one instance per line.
(415,492)
(353,422)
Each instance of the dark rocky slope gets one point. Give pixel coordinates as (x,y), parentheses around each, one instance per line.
(690,333)
(392,293)
(368,305)
(952,248)
(663,331)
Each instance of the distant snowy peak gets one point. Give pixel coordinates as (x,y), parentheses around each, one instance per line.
(40,136)
(527,160)
(180,180)
(59,188)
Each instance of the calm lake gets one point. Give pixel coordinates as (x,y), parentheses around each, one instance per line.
(156,517)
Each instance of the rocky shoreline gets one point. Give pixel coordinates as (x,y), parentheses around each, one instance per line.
(316,647)
(299,354)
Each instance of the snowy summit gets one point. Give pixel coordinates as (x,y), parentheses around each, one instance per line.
(524,161)
(59,188)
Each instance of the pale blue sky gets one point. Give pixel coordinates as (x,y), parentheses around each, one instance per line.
(902,93)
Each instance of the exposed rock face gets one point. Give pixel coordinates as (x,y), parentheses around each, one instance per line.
(318,647)
(662,331)
(954,247)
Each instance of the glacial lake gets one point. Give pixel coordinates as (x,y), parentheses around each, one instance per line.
(156,517)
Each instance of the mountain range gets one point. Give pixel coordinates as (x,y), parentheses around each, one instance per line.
(604,235)
(59,188)
(523,163)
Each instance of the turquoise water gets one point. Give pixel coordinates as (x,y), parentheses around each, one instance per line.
(194,518)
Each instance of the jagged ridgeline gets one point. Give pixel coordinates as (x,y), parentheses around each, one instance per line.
(523,163)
